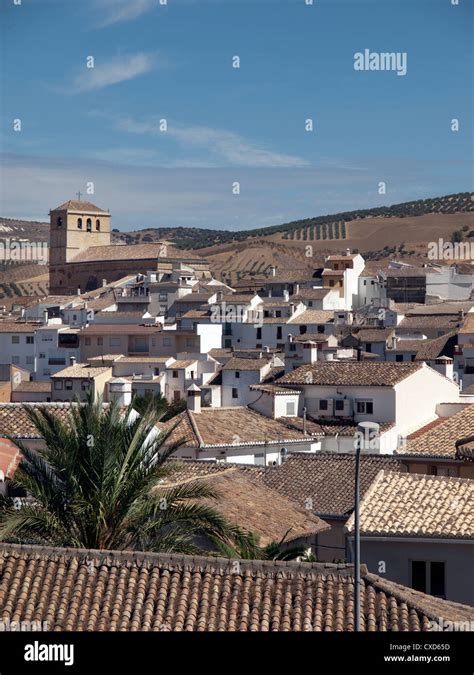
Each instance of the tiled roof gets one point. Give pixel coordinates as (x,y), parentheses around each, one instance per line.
(135,252)
(446,323)
(19,327)
(80,590)
(355,373)
(440,308)
(468,324)
(417,505)
(181,364)
(372,334)
(311,316)
(245,364)
(15,422)
(327,427)
(326,480)
(274,389)
(77,205)
(81,370)
(465,449)
(440,346)
(247,502)
(439,441)
(227,427)
(122,328)
(33,387)
(195,297)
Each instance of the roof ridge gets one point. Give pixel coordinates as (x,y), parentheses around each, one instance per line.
(343,569)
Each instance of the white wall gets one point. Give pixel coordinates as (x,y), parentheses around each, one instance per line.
(418,397)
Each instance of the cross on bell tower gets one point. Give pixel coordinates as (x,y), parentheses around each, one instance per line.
(79,195)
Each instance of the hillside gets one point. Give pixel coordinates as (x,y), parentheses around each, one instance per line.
(401,230)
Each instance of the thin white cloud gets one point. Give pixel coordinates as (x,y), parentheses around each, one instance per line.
(222,146)
(113,71)
(117,11)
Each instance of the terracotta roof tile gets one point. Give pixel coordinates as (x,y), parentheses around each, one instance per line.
(325,480)
(439,440)
(234,426)
(246,501)
(355,373)
(417,505)
(193,593)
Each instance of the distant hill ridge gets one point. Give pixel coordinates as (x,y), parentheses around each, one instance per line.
(331,226)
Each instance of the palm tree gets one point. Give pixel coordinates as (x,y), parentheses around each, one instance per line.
(250,548)
(96,485)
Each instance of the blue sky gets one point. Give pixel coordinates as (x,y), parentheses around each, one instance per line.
(227,125)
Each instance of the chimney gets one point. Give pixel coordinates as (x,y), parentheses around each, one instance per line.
(290,337)
(266,349)
(461,315)
(72,360)
(104,282)
(45,316)
(348,251)
(394,341)
(79,290)
(304,421)
(120,390)
(274,269)
(194,399)
(286,295)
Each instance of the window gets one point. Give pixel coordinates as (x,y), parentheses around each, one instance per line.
(68,384)
(100,341)
(15,339)
(365,407)
(398,357)
(166,342)
(331,282)
(30,339)
(113,341)
(428,577)
(88,342)
(175,373)
(368,347)
(323,404)
(89,225)
(15,359)
(235,392)
(340,404)
(292,347)
(320,329)
(79,223)
(189,342)
(443,471)
(97,225)
(278,313)
(259,333)
(157,371)
(303,329)
(85,385)
(279,334)
(58,385)
(237,373)
(30,360)
(42,356)
(176,396)
(290,408)
(59,222)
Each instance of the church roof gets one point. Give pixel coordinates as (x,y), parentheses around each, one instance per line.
(134,252)
(77,205)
